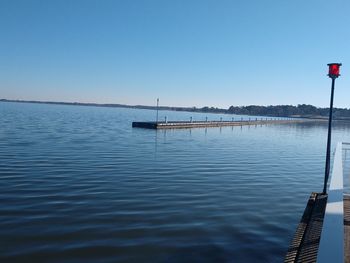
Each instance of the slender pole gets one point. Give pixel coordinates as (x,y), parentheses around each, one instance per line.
(328,154)
(157,109)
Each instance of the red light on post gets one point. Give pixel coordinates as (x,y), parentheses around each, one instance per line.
(334,69)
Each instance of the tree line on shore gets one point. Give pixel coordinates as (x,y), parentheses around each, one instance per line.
(301,110)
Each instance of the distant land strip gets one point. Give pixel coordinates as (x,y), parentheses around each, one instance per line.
(299,111)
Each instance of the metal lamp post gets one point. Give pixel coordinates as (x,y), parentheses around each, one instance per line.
(157,109)
(333,74)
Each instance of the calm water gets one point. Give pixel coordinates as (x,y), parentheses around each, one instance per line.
(79,184)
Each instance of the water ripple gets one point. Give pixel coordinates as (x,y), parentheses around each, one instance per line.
(79,184)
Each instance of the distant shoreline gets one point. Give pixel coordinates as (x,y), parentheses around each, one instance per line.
(186,109)
(111,105)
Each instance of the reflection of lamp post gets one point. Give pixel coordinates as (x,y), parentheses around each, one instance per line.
(333,74)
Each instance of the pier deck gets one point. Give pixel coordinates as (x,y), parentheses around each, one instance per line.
(305,244)
(323,234)
(204,124)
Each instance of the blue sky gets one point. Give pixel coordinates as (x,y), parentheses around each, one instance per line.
(186,52)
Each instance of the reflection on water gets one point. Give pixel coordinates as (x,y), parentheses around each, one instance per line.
(79,184)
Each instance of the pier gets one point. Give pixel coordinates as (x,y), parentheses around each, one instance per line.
(219,123)
(323,233)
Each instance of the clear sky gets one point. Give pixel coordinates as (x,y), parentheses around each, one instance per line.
(186,52)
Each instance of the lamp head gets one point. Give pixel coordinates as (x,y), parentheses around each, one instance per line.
(334,69)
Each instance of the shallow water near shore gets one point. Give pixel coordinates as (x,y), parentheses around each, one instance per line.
(78,183)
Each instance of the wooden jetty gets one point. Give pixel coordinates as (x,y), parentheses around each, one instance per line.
(205,124)
(304,246)
(323,234)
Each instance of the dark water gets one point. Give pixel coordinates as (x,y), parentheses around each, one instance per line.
(79,184)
